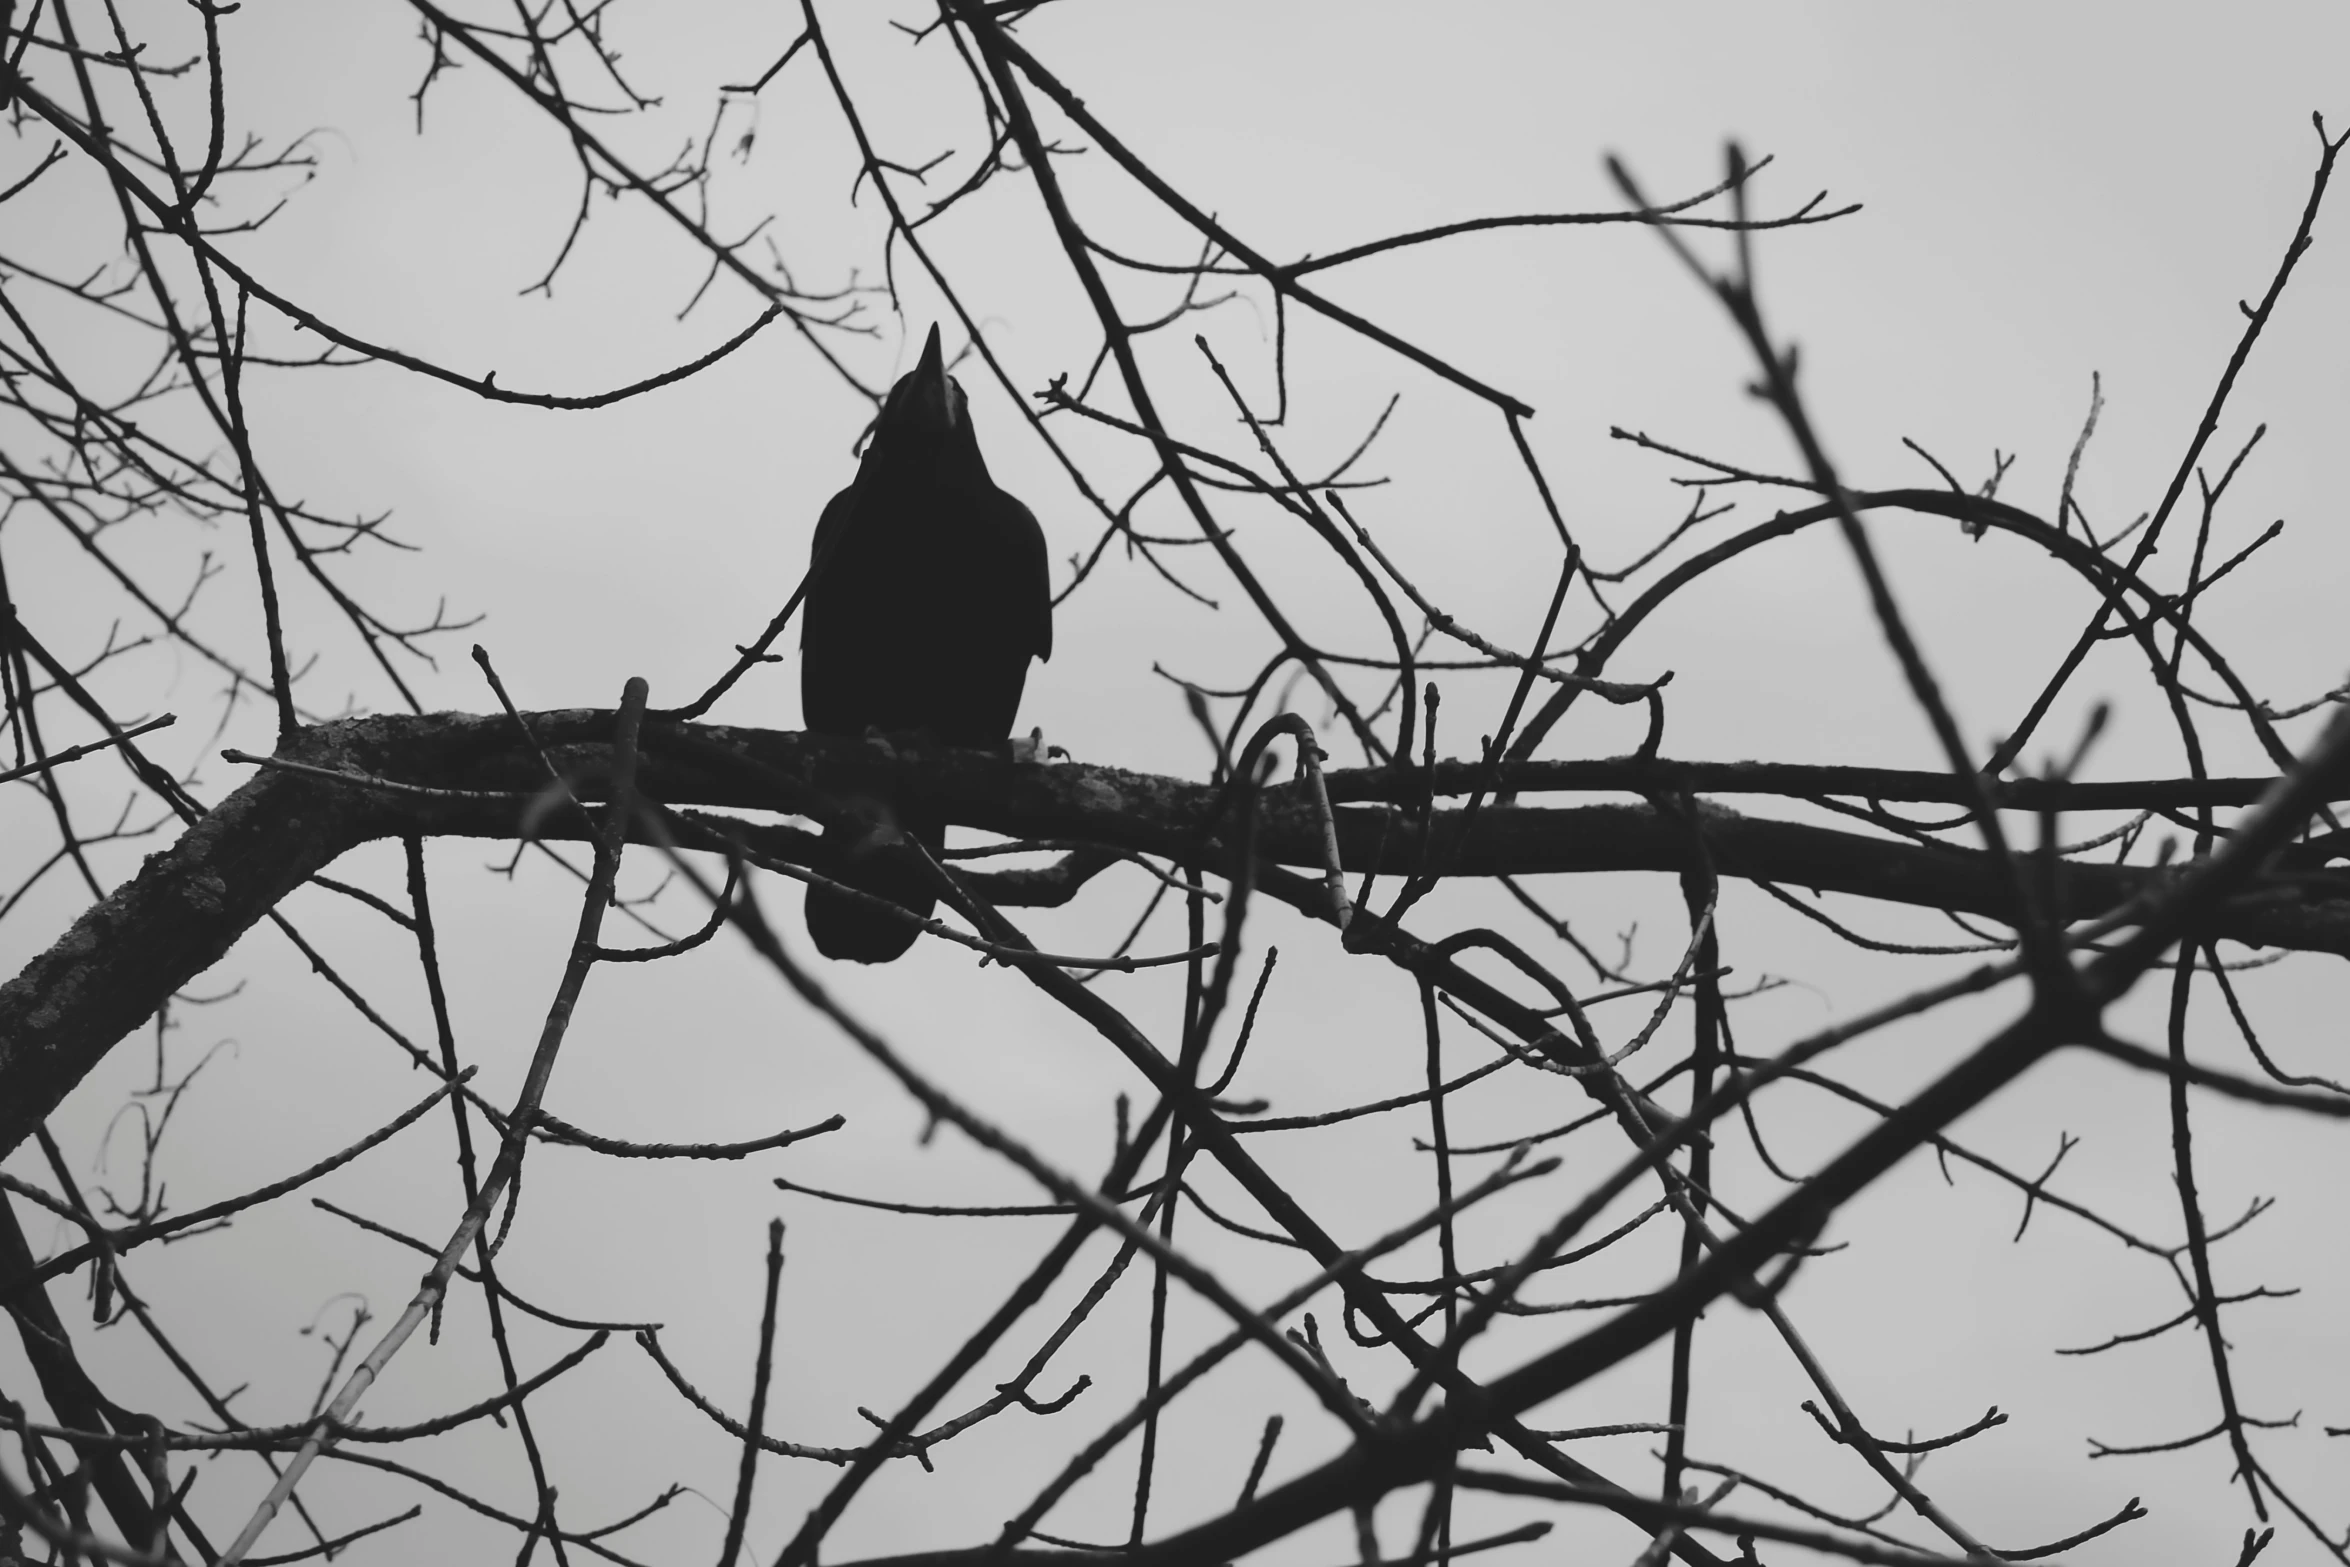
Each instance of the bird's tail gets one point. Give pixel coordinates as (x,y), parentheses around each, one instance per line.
(844,927)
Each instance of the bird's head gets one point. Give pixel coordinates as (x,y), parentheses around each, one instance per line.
(926,405)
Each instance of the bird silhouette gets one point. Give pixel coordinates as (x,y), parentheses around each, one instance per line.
(928,593)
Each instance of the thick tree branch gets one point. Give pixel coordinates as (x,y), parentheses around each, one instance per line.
(469,776)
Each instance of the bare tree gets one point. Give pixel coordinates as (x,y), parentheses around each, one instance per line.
(1649,1160)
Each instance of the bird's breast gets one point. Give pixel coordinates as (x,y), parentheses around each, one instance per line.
(919,618)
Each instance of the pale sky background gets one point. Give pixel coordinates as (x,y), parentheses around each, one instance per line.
(2049,191)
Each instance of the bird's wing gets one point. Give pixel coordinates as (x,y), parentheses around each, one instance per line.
(829,526)
(1024,541)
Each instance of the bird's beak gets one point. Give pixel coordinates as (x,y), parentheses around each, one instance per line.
(931,393)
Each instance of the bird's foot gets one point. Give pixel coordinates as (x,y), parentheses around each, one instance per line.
(1030,747)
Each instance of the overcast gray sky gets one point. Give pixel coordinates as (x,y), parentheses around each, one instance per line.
(2047,193)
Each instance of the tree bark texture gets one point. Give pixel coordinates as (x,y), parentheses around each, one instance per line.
(191,902)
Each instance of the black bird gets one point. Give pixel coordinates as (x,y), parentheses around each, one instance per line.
(928,593)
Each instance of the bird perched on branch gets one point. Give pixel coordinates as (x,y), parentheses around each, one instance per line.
(928,593)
